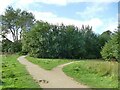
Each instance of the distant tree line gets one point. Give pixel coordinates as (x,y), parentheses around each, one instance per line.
(45,40)
(59,41)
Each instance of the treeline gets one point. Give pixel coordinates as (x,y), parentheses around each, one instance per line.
(59,41)
(44,40)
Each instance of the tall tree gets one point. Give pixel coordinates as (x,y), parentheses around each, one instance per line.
(14,20)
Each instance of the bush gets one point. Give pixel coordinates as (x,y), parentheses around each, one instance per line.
(11,47)
(110,50)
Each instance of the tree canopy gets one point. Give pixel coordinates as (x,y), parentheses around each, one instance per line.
(45,40)
(13,21)
(111,50)
(59,41)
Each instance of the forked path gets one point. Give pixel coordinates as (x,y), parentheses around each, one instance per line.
(53,79)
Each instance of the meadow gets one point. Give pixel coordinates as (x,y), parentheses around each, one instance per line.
(14,75)
(94,73)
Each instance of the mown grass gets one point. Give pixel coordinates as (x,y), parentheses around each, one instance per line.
(14,75)
(47,64)
(95,74)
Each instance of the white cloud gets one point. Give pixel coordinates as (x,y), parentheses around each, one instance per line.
(112,26)
(65,2)
(62,2)
(25,3)
(42,15)
(54,19)
(92,10)
(4,4)
(98,25)
(109,24)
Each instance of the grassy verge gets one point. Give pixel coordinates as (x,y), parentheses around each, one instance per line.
(0,72)
(96,74)
(14,75)
(47,64)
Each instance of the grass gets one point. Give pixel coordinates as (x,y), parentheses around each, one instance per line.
(0,72)
(14,75)
(47,64)
(95,74)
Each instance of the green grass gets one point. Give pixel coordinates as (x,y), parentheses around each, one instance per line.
(14,75)
(47,64)
(95,74)
(0,72)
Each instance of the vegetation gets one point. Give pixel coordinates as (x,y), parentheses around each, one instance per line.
(40,39)
(105,37)
(43,40)
(97,74)
(47,64)
(14,21)
(11,47)
(14,75)
(111,49)
(0,72)
(52,41)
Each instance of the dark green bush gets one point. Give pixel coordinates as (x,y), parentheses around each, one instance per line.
(11,47)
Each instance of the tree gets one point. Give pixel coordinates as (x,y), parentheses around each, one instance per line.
(92,47)
(45,40)
(14,20)
(111,49)
(104,37)
(36,40)
(6,46)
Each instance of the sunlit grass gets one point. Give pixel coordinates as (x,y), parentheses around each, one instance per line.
(14,75)
(97,74)
(47,64)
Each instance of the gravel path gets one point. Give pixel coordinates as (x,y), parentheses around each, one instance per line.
(50,79)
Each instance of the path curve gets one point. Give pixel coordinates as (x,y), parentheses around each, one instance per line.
(53,79)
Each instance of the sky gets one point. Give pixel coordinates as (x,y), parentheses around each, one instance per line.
(102,15)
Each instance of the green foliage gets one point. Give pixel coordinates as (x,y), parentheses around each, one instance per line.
(14,75)
(11,47)
(104,37)
(110,51)
(96,74)
(47,64)
(53,41)
(92,47)
(14,20)
(6,45)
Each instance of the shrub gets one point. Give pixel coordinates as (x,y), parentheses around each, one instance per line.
(110,50)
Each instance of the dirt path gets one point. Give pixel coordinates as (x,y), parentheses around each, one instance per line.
(50,79)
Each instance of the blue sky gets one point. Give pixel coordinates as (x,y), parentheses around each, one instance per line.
(102,15)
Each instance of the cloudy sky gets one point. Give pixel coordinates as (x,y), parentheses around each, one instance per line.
(102,15)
